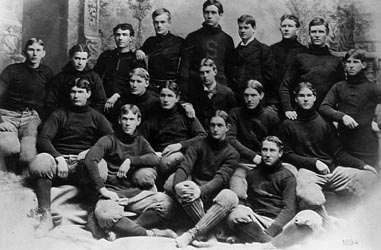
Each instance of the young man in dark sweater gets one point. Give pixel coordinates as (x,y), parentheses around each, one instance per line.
(213,95)
(63,142)
(114,67)
(253,60)
(313,148)
(22,91)
(268,213)
(352,104)
(163,51)
(125,152)
(317,66)
(211,42)
(77,67)
(200,181)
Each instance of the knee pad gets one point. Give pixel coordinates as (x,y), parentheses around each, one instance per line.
(169,163)
(145,177)
(107,213)
(309,218)
(9,144)
(103,170)
(226,198)
(43,165)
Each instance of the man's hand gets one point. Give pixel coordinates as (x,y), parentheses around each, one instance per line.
(370,168)
(7,127)
(349,122)
(140,55)
(322,167)
(62,167)
(172,148)
(257,159)
(124,168)
(109,194)
(375,127)
(82,155)
(188,191)
(189,110)
(243,214)
(292,115)
(111,101)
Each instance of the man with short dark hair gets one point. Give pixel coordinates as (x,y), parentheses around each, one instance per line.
(317,66)
(211,42)
(63,143)
(22,92)
(163,51)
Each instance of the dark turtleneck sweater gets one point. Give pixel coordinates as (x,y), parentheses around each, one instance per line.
(249,128)
(167,127)
(147,103)
(115,149)
(310,138)
(210,164)
(163,56)
(271,192)
(284,53)
(23,87)
(72,130)
(209,42)
(59,89)
(356,97)
(316,66)
(114,69)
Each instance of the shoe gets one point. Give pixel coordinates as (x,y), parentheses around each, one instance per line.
(111,236)
(46,224)
(185,239)
(168,233)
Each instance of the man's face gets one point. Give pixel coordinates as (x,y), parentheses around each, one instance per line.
(138,85)
(252,98)
(122,38)
(129,122)
(207,75)
(168,98)
(34,53)
(305,99)
(218,128)
(288,29)
(354,66)
(161,24)
(79,60)
(245,31)
(270,153)
(211,16)
(79,96)
(318,35)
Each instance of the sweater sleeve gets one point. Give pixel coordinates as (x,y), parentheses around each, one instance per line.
(5,79)
(52,101)
(48,132)
(186,166)
(289,206)
(328,108)
(103,126)
(197,132)
(286,87)
(228,62)
(223,174)
(95,154)
(185,64)
(146,157)
(98,95)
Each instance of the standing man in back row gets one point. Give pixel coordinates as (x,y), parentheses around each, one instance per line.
(208,42)
(163,51)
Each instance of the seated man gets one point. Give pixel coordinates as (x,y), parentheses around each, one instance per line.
(63,143)
(271,203)
(125,152)
(312,147)
(22,92)
(200,179)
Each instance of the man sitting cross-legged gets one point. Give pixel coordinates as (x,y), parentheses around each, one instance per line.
(63,143)
(125,152)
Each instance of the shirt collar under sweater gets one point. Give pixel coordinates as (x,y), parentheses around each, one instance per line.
(125,138)
(357,79)
(270,169)
(318,50)
(306,115)
(211,29)
(216,144)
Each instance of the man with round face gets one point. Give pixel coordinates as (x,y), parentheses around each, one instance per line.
(253,60)
(63,143)
(352,105)
(163,51)
(208,42)
(22,92)
(285,51)
(317,66)
(312,146)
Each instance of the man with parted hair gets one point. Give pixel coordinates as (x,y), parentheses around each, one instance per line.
(317,66)
(163,51)
(209,41)
(23,88)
